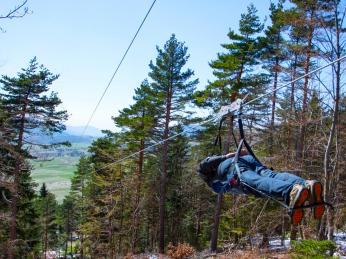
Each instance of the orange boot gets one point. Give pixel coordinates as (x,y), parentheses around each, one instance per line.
(298,195)
(316,197)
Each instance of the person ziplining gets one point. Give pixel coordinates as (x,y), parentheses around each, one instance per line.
(242,173)
(220,174)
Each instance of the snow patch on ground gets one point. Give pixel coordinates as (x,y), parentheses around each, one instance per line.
(275,248)
(340,240)
(276,245)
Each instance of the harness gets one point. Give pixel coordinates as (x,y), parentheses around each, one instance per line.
(233,111)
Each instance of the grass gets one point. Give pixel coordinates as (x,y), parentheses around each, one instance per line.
(56,173)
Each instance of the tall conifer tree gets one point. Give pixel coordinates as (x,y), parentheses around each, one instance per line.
(47,206)
(233,68)
(173,89)
(273,55)
(30,106)
(137,124)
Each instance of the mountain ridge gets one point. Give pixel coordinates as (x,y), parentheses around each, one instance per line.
(72,134)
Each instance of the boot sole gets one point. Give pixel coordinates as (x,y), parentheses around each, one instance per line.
(319,209)
(298,214)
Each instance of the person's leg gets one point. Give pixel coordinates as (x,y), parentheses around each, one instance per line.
(283,176)
(273,186)
(248,162)
(292,193)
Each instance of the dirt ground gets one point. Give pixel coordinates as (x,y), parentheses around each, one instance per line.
(238,254)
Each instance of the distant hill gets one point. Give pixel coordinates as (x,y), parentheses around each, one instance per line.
(78,130)
(72,134)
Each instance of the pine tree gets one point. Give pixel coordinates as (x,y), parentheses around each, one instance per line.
(177,172)
(68,217)
(303,18)
(173,90)
(26,101)
(107,199)
(80,184)
(273,55)
(331,45)
(47,206)
(137,123)
(233,68)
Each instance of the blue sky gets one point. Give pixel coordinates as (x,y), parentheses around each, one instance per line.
(83,41)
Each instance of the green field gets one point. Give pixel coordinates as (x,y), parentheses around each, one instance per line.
(56,173)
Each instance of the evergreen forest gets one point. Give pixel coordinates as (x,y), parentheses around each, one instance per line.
(137,192)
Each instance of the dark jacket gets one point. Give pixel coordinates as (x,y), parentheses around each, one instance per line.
(219,173)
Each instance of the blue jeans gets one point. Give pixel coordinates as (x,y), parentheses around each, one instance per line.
(265,180)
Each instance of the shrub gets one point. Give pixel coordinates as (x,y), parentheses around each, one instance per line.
(313,249)
(129,255)
(181,251)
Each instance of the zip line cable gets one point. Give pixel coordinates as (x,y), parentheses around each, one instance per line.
(116,70)
(298,78)
(154,145)
(174,136)
(246,103)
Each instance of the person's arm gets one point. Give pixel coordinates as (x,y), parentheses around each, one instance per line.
(243,152)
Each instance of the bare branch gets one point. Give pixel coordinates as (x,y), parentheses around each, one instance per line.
(18,11)
(5,198)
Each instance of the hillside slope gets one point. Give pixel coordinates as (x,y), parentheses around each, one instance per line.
(55,166)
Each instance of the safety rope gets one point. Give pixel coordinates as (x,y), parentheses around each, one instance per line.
(116,70)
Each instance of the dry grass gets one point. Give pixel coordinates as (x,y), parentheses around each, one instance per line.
(184,251)
(254,254)
(181,251)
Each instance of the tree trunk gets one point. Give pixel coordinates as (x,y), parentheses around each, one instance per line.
(294,231)
(163,177)
(121,224)
(283,233)
(81,246)
(16,184)
(301,146)
(291,141)
(83,218)
(215,229)
(330,183)
(46,231)
(68,231)
(135,217)
(13,218)
(272,119)
(71,242)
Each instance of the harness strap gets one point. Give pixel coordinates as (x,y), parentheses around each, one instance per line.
(235,161)
(266,195)
(218,136)
(242,136)
(237,179)
(218,140)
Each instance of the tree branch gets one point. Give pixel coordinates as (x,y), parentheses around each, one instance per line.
(15,12)
(5,198)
